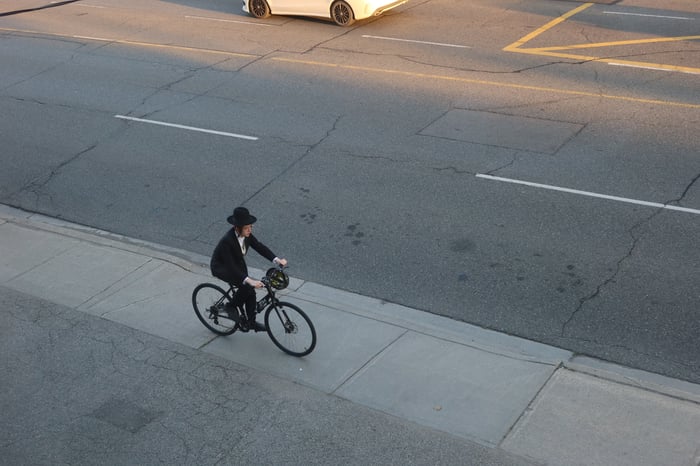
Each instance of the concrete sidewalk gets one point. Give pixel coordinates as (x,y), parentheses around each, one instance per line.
(526,398)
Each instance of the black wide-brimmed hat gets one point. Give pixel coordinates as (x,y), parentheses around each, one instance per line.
(241,217)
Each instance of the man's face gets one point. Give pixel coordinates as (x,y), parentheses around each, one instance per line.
(246,230)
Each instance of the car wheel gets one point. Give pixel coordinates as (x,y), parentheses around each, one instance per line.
(259,8)
(342,14)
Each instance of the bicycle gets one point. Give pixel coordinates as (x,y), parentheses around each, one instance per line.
(289,328)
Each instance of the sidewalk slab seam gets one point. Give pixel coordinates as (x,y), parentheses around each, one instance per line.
(529,407)
(368,362)
(124,282)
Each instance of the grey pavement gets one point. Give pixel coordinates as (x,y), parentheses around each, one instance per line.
(535,402)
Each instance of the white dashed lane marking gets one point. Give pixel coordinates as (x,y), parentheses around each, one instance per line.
(188,128)
(657,205)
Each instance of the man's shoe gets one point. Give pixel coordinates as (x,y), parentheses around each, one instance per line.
(258,327)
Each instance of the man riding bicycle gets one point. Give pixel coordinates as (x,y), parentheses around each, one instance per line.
(228,263)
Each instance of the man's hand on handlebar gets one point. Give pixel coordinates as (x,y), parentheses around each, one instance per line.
(254,283)
(280,261)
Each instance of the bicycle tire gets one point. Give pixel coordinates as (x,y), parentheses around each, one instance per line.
(208,301)
(290,329)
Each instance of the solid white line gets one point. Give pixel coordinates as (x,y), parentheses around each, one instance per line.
(590,194)
(189,128)
(653,68)
(417,41)
(648,16)
(204,18)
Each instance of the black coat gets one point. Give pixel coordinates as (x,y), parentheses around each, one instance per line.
(227,261)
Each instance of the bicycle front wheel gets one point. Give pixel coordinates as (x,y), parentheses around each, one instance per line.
(290,329)
(208,301)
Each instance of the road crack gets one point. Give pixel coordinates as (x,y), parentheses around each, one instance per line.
(685,191)
(309,149)
(43,7)
(37,185)
(583,302)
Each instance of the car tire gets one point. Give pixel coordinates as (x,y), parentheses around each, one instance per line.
(342,14)
(259,8)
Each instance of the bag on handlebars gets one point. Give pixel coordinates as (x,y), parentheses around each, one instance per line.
(278,279)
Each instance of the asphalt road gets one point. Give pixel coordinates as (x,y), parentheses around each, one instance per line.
(388,158)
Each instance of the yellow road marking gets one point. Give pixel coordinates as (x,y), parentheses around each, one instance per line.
(487,83)
(620,42)
(614,61)
(555,51)
(137,43)
(546,27)
(386,71)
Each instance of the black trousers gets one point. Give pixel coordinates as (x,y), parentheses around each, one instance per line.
(245,296)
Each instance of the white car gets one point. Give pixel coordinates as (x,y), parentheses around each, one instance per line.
(342,12)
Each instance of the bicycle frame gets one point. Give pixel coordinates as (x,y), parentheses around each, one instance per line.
(268,300)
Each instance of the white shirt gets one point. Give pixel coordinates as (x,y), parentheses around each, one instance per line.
(241,243)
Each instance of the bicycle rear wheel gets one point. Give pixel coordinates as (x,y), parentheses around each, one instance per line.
(290,329)
(208,301)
